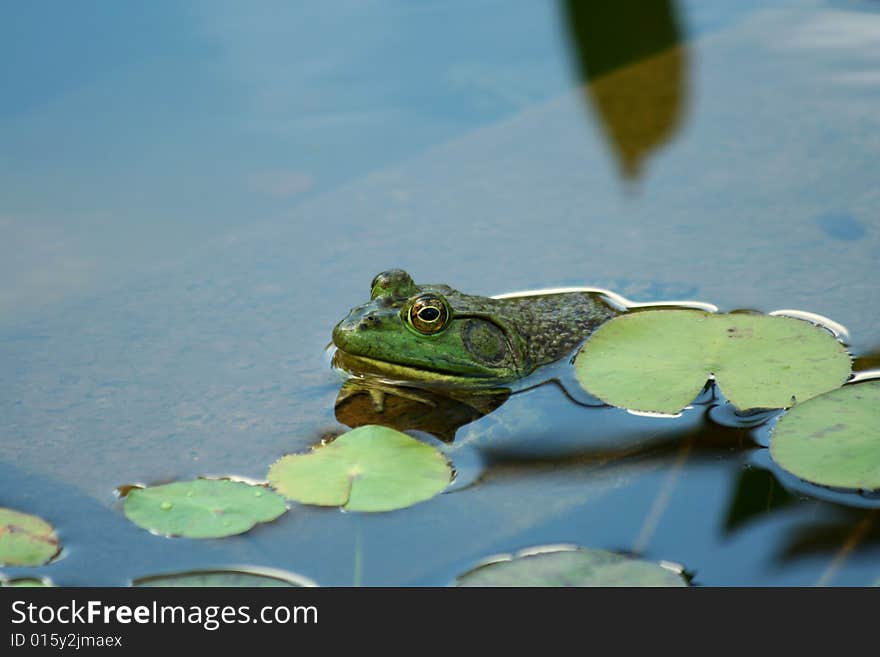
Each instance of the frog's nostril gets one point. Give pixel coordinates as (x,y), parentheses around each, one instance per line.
(362,326)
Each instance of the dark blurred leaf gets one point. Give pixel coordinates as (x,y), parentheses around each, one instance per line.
(757,494)
(631,59)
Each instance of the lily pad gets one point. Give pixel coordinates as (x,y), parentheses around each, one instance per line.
(226,578)
(204,508)
(567,566)
(371,468)
(659,360)
(26,540)
(834,439)
(26,582)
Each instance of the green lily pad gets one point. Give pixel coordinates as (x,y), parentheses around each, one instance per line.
(225,578)
(26,540)
(571,567)
(26,582)
(371,468)
(204,508)
(834,439)
(659,360)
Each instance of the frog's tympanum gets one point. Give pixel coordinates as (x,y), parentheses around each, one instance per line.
(434,334)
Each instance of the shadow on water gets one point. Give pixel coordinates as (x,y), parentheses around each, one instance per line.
(868,361)
(756,493)
(855,528)
(841,532)
(633,64)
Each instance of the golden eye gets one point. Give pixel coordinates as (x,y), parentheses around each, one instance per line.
(428,314)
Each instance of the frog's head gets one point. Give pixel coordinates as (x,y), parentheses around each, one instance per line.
(430,334)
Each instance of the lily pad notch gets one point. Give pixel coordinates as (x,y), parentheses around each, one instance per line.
(660,360)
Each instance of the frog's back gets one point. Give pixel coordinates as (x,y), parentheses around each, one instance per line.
(554,324)
(551,325)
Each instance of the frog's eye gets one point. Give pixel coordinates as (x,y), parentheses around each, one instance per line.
(428,313)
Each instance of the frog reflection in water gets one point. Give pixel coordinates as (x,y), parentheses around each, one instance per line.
(464,352)
(433,334)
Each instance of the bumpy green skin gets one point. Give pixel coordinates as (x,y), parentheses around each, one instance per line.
(486,341)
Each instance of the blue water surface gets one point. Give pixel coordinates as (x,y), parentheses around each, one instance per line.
(193,193)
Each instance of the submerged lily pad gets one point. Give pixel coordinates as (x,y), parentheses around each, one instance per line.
(26,582)
(568,566)
(25,540)
(834,439)
(371,468)
(204,508)
(659,360)
(226,578)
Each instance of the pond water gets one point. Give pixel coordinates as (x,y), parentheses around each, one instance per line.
(193,194)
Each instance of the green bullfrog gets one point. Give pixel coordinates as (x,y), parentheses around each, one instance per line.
(433,334)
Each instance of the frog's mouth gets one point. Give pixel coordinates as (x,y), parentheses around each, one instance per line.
(407,374)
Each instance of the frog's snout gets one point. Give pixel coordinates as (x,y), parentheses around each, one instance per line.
(341,331)
(351,325)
